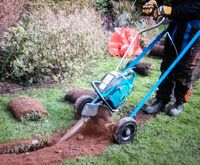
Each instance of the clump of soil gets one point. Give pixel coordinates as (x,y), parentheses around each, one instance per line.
(72,149)
(100,124)
(142,68)
(25,107)
(157,51)
(74,94)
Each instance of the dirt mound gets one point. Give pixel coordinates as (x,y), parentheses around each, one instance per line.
(157,51)
(72,95)
(25,106)
(143,68)
(97,125)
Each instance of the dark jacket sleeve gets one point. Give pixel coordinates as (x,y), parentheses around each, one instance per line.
(159,2)
(187,10)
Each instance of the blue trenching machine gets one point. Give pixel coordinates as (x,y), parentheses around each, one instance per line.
(113,89)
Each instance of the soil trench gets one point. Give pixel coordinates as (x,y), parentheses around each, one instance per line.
(73,148)
(92,140)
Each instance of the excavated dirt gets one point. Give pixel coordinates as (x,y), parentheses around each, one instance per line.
(23,106)
(73,148)
(73,94)
(143,68)
(157,51)
(92,140)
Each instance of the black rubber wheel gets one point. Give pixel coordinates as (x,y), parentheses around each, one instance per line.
(126,129)
(79,104)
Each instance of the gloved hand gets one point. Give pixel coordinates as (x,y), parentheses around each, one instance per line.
(149,7)
(162,11)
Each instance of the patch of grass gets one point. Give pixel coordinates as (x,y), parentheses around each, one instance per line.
(60,116)
(34,116)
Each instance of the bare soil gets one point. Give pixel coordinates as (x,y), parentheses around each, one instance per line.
(72,149)
(87,142)
(157,51)
(92,140)
(6,87)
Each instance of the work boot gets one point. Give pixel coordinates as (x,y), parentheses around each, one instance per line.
(176,109)
(155,106)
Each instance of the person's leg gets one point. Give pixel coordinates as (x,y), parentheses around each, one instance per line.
(166,87)
(183,76)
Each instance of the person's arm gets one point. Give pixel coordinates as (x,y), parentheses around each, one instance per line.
(187,10)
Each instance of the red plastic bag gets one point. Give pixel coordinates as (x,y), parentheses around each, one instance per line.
(120,40)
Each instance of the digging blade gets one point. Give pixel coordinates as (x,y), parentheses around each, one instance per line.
(80,124)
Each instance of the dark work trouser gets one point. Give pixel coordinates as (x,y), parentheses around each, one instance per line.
(180,79)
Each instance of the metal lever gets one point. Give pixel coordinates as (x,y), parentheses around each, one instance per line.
(140,32)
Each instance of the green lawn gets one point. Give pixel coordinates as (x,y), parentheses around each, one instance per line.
(163,140)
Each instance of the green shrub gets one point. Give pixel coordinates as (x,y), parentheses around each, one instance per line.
(51,45)
(79,3)
(126,6)
(104,6)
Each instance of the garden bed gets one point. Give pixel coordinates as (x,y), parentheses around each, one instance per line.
(6,87)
